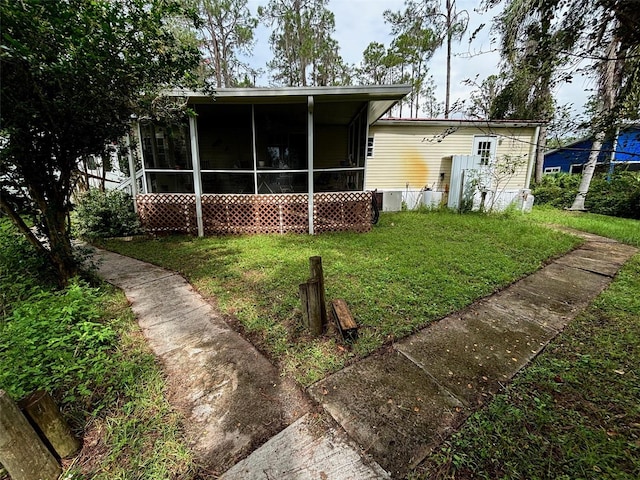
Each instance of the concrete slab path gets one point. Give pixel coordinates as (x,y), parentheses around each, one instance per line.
(401,403)
(232,397)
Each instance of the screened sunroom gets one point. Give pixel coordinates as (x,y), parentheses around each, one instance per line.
(254,147)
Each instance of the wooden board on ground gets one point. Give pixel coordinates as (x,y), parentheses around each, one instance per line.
(344,320)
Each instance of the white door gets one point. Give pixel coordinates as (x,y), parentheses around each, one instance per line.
(485,147)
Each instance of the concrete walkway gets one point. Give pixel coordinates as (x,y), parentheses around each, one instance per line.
(403,402)
(396,406)
(232,397)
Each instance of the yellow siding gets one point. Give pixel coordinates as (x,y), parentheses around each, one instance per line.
(516,143)
(416,156)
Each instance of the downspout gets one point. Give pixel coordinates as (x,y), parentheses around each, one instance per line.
(532,157)
(310,159)
(197,179)
(132,174)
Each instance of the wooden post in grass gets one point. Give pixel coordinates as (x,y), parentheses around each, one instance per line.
(315,268)
(43,412)
(21,451)
(311,302)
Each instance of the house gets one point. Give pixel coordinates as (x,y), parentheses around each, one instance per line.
(430,161)
(622,152)
(248,160)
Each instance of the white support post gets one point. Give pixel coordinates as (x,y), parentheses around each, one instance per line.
(310,159)
(254,149)
(132,174)
(532,157)
(145,186)
(366,148)
(197,178)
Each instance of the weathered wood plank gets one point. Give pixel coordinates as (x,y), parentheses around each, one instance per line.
(304,300)
(315,307)
(44,413)
(21,451)
(315,267)
(344,319)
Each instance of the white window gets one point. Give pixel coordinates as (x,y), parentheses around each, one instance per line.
(370,147)
(485,148)
(549,170)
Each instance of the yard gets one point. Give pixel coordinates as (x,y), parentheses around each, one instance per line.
(572,414)
(412,269)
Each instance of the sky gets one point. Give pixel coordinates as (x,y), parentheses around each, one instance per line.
(360,22)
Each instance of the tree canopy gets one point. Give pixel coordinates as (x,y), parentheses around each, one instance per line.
(304,51)
(73,74)
(227,30)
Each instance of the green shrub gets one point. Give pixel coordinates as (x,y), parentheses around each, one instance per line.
(56,342)
(105,214)
(558,190)
(617,196)
(22,269)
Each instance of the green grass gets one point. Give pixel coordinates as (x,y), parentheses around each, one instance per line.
(413,268)
(622,229)
(83,345)
(573,413)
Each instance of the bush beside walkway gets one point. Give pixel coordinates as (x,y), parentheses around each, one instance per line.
(83,345)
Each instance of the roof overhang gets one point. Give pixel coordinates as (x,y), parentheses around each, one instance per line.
(436,122)
(379,97)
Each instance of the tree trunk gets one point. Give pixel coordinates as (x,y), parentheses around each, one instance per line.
(448,85)
(587,173)
(54,216)
(103,177)
(542,141)
(23,228)
(609,82)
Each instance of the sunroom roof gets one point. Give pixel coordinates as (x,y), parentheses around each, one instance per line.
(380,97)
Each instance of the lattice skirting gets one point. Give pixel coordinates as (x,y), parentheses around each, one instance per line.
(242,214)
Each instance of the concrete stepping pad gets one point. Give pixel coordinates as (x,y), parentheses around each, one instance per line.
(307,451)
(391,408)
(477,352)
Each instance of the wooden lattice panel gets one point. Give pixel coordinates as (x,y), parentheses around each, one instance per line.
(342,212)
(254,213)
(243,214)
(166,213)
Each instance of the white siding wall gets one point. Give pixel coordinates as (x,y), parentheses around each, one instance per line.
(417,155)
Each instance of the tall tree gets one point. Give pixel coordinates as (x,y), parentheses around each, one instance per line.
(445,24)
(72,74)
(453,26)
(602,31)
(535,40)
(374,67)
(227,30)
(304,51)
(617,68)
(413,45)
